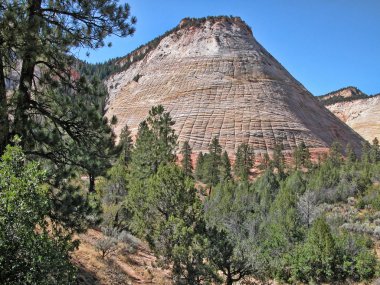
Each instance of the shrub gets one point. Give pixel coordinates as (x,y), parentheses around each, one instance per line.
(105,246)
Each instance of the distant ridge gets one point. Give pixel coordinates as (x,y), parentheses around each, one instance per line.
(357,109)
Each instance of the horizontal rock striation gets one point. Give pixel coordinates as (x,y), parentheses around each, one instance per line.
(217,80)
(362,115)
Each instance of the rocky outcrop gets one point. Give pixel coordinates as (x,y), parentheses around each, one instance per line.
(217,80)
(346,94)
(362,115)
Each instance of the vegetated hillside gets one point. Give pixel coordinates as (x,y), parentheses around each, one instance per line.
(217,80)
(357,109)
(346,94)
(128,261)
(214,223)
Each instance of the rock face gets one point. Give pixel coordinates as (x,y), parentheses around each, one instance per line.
(362,115)
(342,95)
(346,93)
(217,80)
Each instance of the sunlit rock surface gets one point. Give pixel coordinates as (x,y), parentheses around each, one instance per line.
(217,80)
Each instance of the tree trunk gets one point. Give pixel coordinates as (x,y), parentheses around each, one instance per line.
(4,123)
(91,187)
(27,69)
(229,280)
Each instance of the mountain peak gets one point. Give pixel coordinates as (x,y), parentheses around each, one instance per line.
(216,80)
(198,22)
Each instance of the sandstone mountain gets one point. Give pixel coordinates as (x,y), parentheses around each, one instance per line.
(217,80)
(346,94)
(358,110)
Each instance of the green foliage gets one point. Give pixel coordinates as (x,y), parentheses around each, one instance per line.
(155,144)
(199,167)
(32,250)
(113,192)
(375,151)
(278,160)
(212,163)
(335,155)
(126,145)
(266,229)
(244,160)
(187,163)
(169,216)
(227,257)
(234,229)
(325,257)
(301,156)
(225,168)
(267,187)
(350,153)
(57,111)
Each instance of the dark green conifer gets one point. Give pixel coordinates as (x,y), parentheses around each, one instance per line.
(244,160)
(126,145)
(212,163)
(199,166)
(187,163)
(225,168)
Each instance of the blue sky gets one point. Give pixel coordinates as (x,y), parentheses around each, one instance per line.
(325,44)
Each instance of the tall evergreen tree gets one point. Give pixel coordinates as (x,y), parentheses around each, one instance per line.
(53,104)
(350,154)
(375,151)
(244,161)
(187,163)
(126,144)
(365,153)
(225,167)
(155,145)
(335,155)
(213,161)
(46,101)
(278,160)
(199,166)
(266,162)
(301,156)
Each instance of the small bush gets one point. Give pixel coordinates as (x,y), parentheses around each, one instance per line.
(105,246)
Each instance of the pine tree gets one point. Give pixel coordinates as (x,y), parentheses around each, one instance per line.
(350,154)
(365,153)
(278,160)
(55,110)
(126,144)
(212,163)
(375,151)
(266,162)
(301,156)
(244,161)
(199,166)
(266,187)
(225,167)
(335,155)
(187,164)
(155,146)
(155,143)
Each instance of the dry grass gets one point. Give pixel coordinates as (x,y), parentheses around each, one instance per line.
(120,267)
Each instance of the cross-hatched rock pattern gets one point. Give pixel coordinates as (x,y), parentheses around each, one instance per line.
(216,80)
(362,115)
